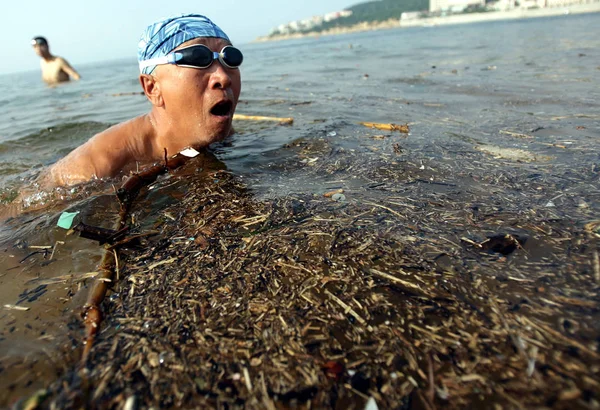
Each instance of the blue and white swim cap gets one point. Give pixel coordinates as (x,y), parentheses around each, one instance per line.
(162,37)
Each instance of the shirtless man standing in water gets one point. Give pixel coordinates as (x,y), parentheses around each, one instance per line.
(189,73)
(54,69)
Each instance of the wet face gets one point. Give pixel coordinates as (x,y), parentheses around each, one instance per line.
(200,102)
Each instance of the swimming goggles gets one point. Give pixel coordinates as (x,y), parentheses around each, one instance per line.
(198,56)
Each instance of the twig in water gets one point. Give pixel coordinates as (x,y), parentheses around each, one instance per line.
(386,208)
(596,263)
(347,309)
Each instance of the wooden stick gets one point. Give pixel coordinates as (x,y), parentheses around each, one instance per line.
(92,315)
(394,279)
(515,134)
(286,120)
(347,309)
(386,208)
(596,264)
(387,127)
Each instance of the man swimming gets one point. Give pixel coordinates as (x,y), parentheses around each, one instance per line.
(189,73)
(54,69)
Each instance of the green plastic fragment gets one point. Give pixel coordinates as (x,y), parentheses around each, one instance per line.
(65,220)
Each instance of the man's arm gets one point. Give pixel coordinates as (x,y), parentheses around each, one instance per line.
(103,155)
(66,67)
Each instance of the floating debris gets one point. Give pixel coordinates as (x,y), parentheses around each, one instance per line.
(288,301)
(441,284)
(66,219)
(285,120)
(15,307)
(513,154)
(516,134)
(332,193)
(371,404)
(388,127)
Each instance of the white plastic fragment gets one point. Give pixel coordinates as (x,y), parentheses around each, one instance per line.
(15,307)
(131,403)
(371,404)
(189,152)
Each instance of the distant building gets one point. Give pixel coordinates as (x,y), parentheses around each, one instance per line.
(531,4)
(336,15)
(410,15)
(561,3)
(501,5)
(305,24)
(331,16)
(453,6)
(308,24)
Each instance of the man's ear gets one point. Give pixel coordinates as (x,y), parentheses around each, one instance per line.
(151,87)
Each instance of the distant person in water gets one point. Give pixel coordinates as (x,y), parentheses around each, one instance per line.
(189,73)
(55,69)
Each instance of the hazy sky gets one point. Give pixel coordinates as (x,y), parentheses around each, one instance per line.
(84,31)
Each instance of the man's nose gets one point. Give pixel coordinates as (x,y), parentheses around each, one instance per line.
(220,77)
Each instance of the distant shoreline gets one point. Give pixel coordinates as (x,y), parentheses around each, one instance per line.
(441,21)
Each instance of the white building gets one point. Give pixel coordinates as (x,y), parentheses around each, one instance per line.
(410,15)
(453,5)
(336,15)
(309,24)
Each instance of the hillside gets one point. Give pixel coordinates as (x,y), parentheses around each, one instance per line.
(377,11)
(371,12)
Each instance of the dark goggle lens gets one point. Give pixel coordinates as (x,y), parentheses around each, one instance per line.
(198,56)
(232,56)
(202,57)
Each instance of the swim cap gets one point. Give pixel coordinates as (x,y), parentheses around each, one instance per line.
(39,40)
(162,37)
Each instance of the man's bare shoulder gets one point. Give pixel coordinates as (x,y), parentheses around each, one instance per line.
(105,154)
(61,61)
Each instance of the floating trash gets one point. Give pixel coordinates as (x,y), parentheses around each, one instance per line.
(65,220)
(371,404)
(281,120)
(162,358)
(332,193)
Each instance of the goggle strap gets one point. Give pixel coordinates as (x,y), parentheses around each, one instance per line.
(168,59)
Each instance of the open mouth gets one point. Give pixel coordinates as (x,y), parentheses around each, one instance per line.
(222,109)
